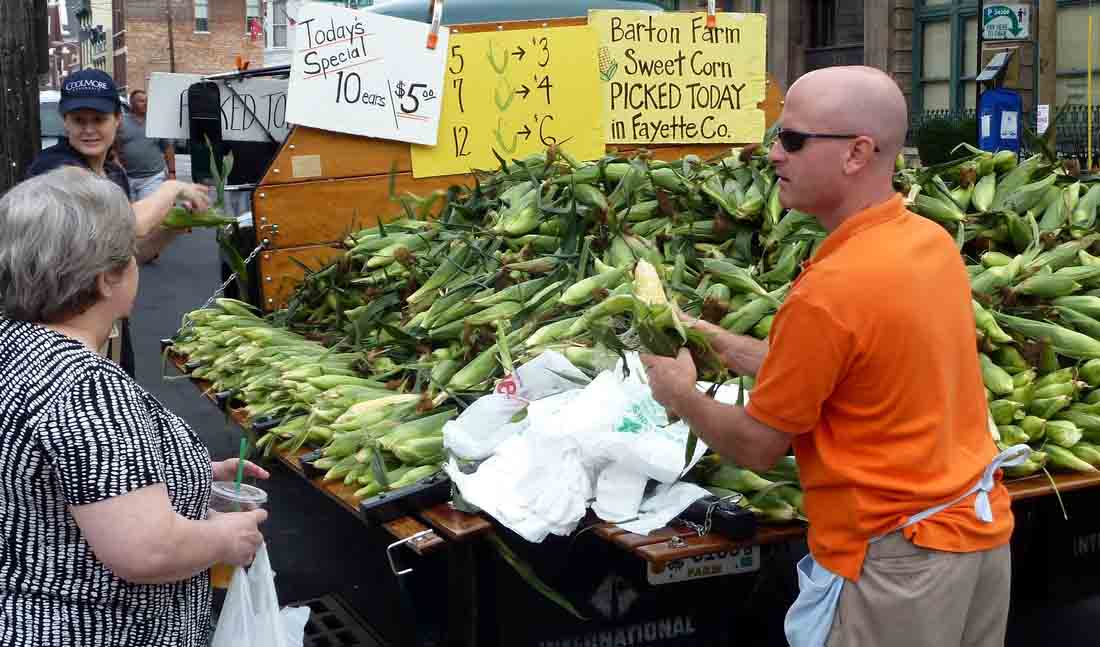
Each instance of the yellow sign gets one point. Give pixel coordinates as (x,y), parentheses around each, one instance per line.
(515,92)
(667,78)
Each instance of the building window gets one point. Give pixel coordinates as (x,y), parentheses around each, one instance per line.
(279,21)
(834,31)
(1073,65)
(823,23)
(945,42)
(253,20)
(202,15)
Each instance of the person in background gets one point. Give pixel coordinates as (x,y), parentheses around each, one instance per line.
(148,162)
(92,112)
(883,403)
(107,534)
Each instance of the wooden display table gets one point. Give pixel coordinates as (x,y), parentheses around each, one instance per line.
(658,548)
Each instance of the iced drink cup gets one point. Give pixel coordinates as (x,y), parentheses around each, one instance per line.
(224,497)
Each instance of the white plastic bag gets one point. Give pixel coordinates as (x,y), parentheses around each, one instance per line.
(484,425)
(582,444)
(251,616)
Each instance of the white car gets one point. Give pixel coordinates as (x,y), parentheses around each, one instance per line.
(53,129)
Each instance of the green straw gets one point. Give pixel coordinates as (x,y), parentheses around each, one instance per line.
(240,469)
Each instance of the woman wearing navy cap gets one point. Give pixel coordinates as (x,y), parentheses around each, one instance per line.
(92,112)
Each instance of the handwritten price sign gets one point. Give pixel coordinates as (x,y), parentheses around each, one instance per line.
(366,74)
(516,93)
(667,78)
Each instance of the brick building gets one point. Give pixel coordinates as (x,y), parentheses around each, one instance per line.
(64,50)
(95,31)
(278,25)
(208,36)
(118,42)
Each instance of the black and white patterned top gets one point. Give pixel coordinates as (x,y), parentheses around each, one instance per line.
(75,429)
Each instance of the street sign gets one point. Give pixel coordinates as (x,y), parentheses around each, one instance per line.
(1006,21)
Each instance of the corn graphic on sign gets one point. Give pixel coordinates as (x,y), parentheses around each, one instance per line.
(668,79)
(608,67)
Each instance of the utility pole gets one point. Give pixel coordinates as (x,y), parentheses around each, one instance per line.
(1048,55)
(171,38)
(23,41)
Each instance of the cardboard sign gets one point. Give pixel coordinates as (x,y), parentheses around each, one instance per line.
(515,92)
(366,74)
(667,78)
(257,108)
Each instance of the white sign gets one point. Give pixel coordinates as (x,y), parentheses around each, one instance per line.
(743,560)
(366,74)
(1042,117)
(1009,125)
(258,105)
(1006,21)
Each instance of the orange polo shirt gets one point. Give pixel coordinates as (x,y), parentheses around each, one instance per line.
(872,367)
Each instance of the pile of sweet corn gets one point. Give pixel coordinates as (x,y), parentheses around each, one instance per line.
(591,259)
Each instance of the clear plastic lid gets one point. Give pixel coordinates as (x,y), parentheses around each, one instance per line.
(249,497)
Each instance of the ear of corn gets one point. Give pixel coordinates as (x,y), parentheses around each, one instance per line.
(1083,215)
(984,192)
(1029,195)
(1065,459)
(1005,412)
(1014,180)
(988,325)
(996,378)
(584,291)
(1049,286)
(1087,452)
(1063,341)
(937,209)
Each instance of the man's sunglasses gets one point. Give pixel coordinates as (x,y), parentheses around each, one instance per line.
(793,140)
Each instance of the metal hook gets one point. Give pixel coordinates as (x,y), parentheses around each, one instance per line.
(401,542)
(437,18)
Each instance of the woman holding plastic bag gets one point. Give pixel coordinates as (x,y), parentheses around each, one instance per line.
(104,507)
(251,616)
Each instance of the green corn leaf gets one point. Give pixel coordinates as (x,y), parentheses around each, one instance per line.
(233,257)
(527,573)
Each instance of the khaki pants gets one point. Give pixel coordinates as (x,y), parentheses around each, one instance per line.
(909,596)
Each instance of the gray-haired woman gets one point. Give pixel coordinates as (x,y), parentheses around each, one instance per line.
(107,538)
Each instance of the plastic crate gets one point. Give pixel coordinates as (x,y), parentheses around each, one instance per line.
(332,624)
(1070,549)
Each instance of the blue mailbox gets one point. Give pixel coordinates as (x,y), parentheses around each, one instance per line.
(999,115)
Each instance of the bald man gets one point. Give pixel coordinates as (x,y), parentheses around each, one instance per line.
(870,373)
